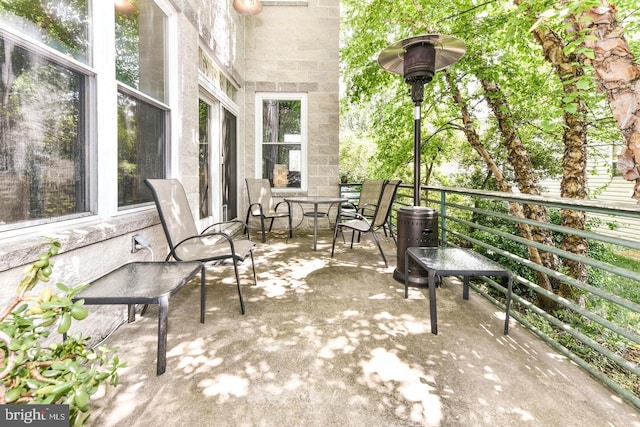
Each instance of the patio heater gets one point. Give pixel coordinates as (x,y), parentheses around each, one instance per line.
(417,59)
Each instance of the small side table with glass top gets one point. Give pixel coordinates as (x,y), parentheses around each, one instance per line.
(146,283)
(454,262)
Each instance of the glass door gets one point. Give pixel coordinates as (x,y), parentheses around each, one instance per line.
(229,155)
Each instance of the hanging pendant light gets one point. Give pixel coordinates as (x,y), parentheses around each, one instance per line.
(247,7)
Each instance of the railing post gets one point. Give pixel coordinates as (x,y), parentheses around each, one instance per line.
(443,220)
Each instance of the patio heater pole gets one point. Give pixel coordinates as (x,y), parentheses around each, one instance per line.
(417,115)
(417,59)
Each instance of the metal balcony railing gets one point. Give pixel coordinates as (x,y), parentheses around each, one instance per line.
(597,325)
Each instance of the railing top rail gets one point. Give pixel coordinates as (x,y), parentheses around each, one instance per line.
(608,208)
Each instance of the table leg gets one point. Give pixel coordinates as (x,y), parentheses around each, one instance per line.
(406,275)
(203,294)
(432,302)
(163,311)
(508,304)
(132,313)
(315,226)
(290,221)
(465,288)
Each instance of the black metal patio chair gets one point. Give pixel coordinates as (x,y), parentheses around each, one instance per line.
(263,205)
(186,243)
(359,223)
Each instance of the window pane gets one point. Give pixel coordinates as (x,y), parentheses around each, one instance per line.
(42,141)
(204,158)
(140,47)
(281,164)
(281,120)
(141,148)
(230,164)
(60,24)
(282,142)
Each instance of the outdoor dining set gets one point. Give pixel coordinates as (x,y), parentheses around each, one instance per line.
(191,250)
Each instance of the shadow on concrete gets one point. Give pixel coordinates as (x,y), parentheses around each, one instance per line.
(332,342)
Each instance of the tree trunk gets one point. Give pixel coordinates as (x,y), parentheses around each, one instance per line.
(574,161)
(503,185)
(525,175)
(618,75)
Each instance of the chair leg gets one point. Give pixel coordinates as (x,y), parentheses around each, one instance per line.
(246,222)
(264,237)
(253,267)
(235,269)
(335,236)
(203,293)
(380,248)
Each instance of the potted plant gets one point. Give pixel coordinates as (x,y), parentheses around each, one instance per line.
(38,368)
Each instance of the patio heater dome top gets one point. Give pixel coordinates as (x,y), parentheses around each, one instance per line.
(417,59)
(448,50)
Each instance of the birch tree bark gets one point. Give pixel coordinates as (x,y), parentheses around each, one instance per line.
(503,184)
(574,161)
(618,75)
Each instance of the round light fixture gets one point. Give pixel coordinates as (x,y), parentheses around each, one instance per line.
(247,7)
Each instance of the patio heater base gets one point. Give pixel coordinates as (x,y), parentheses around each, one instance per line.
(417,227)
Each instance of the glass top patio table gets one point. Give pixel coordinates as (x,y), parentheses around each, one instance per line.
(316,201)
(146,283)
(454,262)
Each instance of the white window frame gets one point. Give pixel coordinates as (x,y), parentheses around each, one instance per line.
(107,88)
(287,96)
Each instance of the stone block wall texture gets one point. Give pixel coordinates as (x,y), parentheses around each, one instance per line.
(288,48)
(294,48)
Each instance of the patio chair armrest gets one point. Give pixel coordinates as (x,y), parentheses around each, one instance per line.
(350,206)
(371,206)
(252,209)
(353,215)
(232,221)
(280,203)
(222,234)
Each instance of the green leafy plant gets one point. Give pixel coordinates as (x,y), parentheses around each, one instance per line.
(38,368)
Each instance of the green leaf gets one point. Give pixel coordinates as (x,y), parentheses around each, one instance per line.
(571,108)
(62,387)
(15,344)
(583,84)
(79,313)
(50,373)
(13,394)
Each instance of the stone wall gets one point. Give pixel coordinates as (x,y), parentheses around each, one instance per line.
(294,48)
(288,48)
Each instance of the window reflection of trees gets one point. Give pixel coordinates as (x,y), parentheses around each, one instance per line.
(281,121)
(61,24)
(42,142)
(142,118)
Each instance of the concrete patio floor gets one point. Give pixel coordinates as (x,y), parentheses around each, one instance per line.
(333,342)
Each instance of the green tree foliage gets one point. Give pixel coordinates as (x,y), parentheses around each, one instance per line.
(500,48)
(58,22)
